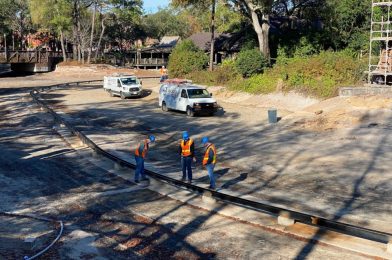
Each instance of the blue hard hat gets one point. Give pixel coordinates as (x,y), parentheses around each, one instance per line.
(204,140)
(152,138)
(185,135)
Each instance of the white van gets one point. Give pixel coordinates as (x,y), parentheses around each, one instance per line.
(123,86)
(184,96)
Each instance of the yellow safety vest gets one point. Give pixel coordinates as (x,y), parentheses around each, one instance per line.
(205,159)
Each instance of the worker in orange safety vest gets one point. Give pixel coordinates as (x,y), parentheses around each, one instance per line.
(140,154)
(187,152)
(209,160)
(163,72)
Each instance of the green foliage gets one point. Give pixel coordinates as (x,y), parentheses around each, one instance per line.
(166,22)
(318,75)
(222,75)
(185,58)
(250,62)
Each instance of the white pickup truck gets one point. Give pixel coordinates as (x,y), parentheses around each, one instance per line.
(123,86)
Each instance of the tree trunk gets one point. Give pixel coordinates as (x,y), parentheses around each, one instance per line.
(63,46)
(261,27)
(92,34)
(100,38)
(212,51)
(262,31)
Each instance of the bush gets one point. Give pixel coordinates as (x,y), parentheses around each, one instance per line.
(250,62)
(223,74)
(318,75)
(185,58)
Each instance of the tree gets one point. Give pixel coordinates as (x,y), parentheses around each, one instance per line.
(185,58)
(15,16)
(53,15)
(168,21)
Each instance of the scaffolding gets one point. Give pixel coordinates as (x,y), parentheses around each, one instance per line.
(380,51)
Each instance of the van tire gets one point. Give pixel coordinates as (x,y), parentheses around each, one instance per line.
(122,95)
(189,112)
(164,107)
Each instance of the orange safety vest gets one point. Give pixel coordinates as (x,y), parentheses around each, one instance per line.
(205,159)
(186,147)
(145,149)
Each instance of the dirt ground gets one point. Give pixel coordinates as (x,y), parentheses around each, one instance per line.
(308,163)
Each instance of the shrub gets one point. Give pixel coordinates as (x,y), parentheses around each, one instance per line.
(319,75)
(250,62)
(185,58)
(223,74)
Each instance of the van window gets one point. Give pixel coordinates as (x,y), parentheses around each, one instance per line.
(198,93)
(118,83)
(129,81)
(183,94)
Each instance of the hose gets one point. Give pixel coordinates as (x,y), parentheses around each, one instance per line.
(11,214)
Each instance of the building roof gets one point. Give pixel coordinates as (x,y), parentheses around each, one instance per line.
(166,45)
(229,42)
(169,41)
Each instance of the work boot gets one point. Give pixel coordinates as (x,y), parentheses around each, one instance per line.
(137,181)
(145,179)
(183,179)
(189,181)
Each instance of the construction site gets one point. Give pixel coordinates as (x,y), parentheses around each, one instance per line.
(315,184)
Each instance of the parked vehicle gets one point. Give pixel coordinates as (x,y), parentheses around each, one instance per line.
(123,86)
(184,96)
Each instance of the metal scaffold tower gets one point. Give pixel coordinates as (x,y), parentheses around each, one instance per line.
(380,52)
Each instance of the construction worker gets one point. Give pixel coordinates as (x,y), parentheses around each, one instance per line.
(163,72)
(209,160)
(140,154)
(187,152)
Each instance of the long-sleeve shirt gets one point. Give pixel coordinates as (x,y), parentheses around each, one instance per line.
(192,149)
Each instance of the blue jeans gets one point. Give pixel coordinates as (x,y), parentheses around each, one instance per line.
(186,163)
(139,168)
(210,170)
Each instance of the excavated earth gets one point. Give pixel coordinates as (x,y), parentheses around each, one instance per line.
(336,169)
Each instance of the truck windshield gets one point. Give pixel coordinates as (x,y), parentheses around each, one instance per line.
(198,93)
(129,81)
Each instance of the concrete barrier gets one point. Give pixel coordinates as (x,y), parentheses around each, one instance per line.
(365,90)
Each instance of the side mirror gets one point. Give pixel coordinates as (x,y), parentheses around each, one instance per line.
(141,82)
(210,94)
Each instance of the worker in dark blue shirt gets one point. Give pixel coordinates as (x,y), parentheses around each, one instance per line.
(187,152)
(209,160)
(140,154)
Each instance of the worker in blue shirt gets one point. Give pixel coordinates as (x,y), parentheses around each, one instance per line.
(140,154)
(187,152)
(209,160)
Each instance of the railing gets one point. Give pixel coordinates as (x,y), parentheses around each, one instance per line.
(29,56)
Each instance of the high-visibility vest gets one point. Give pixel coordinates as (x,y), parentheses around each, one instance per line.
(145,149)
(186,147)
(205,159)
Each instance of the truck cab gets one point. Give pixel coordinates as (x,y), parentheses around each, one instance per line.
(184,96)
(123,86)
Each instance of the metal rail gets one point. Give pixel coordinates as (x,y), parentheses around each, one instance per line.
(305,218)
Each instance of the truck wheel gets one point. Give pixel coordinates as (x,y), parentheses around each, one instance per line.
(189,112)
(122,95)
(164,107)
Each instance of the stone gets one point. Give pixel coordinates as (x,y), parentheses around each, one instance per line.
(285,221)
(389,247)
